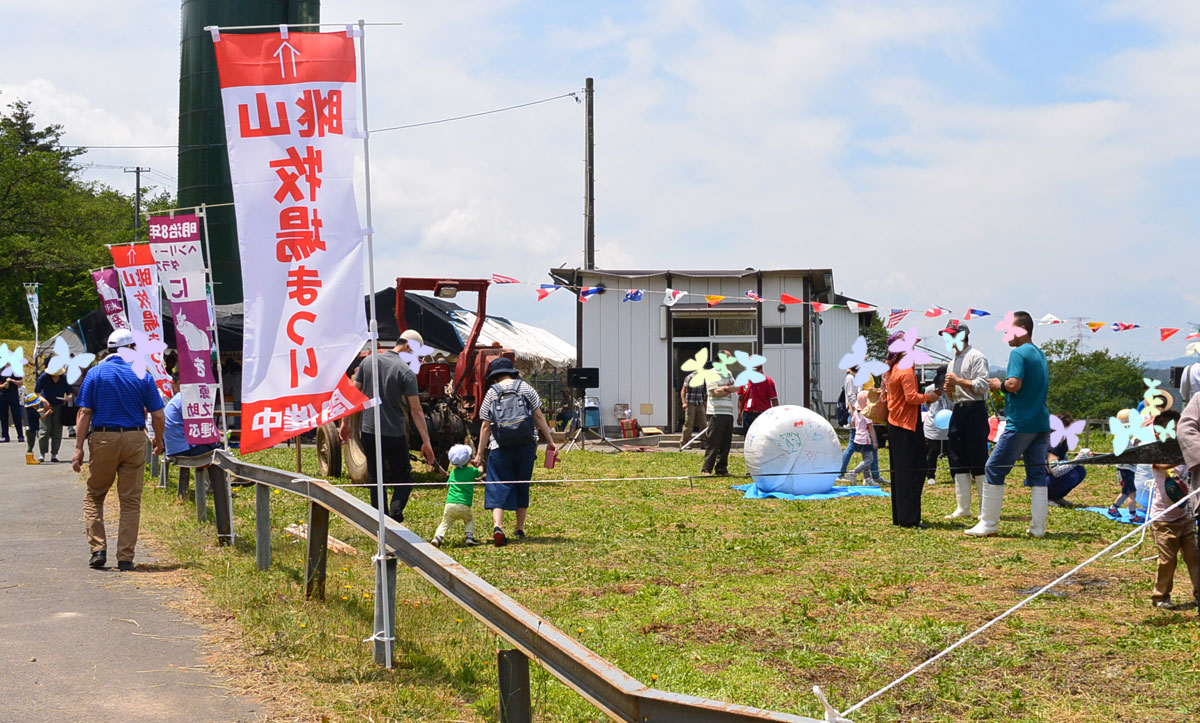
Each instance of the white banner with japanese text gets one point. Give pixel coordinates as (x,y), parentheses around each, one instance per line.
(175,243)
(143,309)
(291,128)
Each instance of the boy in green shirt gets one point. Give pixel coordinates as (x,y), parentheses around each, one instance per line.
(460,496)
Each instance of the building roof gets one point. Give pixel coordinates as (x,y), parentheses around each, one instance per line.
(822,278)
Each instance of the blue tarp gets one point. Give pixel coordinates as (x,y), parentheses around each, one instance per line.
(754,493)
(1122,514)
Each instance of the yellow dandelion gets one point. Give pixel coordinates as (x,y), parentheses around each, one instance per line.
(458,620)
(304,625)
(653,676)
(579,630)
(345,597)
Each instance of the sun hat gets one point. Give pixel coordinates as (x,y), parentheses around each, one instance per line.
(30,400)
(413,335)
(120,338)
(501,365)
(459,455)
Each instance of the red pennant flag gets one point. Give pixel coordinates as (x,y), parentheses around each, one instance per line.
(1193,335)
(789,299)
(1166,333)
(819,307)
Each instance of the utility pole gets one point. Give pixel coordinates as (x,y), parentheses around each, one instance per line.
(137,208)
(589,215)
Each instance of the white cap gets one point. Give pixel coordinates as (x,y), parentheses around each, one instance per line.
(413,335)
(459,455)
(120,338)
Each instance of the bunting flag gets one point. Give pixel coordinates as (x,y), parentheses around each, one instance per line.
(713,299)
(789,299)
(1122,326)
(896,317)
(974,313)
(1166,333)
(753,296)
(499,279)
(587,292)
(292,131)
(860,308)
(545,290)
(1193,335)
(1048,320)
(633,295)
(819,306)
(1096,326)
(936,311)
(673,296)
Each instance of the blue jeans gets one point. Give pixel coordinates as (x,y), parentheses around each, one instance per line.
(851,448)
(1060,487)
(1011,445)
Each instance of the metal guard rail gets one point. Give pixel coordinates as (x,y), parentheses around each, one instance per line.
(612,690)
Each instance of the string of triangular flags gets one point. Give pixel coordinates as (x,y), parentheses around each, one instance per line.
(891,320)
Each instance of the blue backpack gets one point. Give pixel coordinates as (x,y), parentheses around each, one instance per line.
(512,419)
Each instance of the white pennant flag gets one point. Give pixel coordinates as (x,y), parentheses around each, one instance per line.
(673,296)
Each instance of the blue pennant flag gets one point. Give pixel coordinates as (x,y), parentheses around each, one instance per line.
(633,295)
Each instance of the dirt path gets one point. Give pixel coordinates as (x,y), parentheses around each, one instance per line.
(82,644)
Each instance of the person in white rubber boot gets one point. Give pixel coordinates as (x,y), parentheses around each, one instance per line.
(967,444)
(1026,431)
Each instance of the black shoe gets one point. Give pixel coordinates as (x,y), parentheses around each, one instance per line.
(498,538)
(55,460)
(125,565)
(520,535)
(472,542)
(99,560)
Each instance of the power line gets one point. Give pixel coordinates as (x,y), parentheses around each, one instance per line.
(572,94)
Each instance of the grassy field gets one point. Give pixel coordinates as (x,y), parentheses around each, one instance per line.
(692,589)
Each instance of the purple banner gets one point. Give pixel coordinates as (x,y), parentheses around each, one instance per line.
(175,243)
(110,297)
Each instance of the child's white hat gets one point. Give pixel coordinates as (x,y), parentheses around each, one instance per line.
(459,455)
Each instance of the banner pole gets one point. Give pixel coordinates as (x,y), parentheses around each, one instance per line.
(34,308)
(216,334)
(385,621)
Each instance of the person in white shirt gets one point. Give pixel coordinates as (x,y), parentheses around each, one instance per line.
(967,439)
(1190,384)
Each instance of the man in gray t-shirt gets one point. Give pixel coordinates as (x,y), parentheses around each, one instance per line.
(397,392)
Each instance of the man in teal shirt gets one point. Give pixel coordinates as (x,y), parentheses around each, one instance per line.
(1026,432)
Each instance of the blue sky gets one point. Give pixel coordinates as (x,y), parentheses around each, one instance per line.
(990,154)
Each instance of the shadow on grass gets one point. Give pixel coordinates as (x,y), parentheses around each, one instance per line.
(152,567)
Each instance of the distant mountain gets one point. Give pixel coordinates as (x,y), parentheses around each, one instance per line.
(1181,361)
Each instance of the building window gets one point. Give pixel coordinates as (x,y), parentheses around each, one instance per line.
(783,334)
(687,326)
(734,326)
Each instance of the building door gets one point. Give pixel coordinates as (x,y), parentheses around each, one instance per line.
(714,331)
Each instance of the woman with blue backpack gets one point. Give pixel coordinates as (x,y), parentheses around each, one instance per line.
(511,416)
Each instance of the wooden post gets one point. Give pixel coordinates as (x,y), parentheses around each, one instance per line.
(318,550)
(389,616)
(184,478)
(262,526)
(201,497)
(513,667)
(164,473)
(299,470)
(222,503)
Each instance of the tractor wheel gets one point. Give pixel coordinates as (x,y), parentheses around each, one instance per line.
(329,450)
(352,451)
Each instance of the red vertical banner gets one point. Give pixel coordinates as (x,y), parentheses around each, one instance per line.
(143,307)
(289,105)
(175,244)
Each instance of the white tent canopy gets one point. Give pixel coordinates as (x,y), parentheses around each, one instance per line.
(536,349)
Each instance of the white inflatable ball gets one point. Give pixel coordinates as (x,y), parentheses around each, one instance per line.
(793,450)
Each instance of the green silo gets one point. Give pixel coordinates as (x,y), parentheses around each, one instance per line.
(203,163)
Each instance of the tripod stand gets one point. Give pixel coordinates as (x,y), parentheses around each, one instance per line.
(582,431)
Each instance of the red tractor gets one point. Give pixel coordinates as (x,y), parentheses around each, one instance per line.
(449,396)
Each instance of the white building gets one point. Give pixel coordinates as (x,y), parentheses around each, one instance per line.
(639,348)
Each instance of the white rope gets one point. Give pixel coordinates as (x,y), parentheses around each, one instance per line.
(1013,609)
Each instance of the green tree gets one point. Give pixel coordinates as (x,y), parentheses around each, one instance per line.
(53,226)
(877,337)
(1091,384)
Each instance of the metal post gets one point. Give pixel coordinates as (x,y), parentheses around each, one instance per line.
(222,503)
(513,667)
(262,526)
(385,623)
(316,551)
(385,616)
(164,473)
(589,170)
(215,333)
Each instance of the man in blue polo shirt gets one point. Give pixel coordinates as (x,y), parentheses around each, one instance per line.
(113,403)
(1026,432)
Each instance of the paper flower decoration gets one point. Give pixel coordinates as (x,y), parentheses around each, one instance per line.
(858,358)
(955,342)
(1136,430)
(906,347)
(141,356)
(1058,432)
(12,363)
(1011,330)
(696,364)
(72,364)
